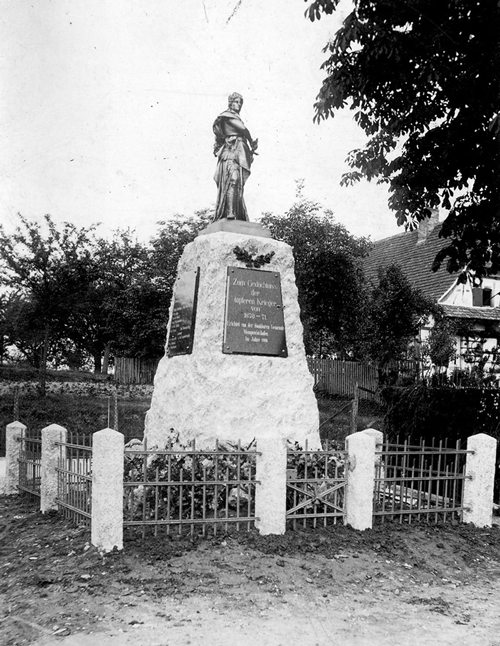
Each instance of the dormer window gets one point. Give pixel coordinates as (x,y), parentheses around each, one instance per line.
(481,297)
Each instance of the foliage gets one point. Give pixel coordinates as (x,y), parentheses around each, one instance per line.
(117,264)
(72,295)
(442,413)
(130,300)
(441,344)
(394,314)
(47,269)
(328,274)
(172,238)
(20,327)
(422,78)
(181,463)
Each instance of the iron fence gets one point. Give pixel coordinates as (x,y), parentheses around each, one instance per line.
(315,490)
(419,482)
(185,488)
(30,462)
(74,478)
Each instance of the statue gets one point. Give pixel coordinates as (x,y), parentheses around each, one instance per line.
(235,149)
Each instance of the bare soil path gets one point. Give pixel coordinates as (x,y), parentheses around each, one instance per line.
(407,585)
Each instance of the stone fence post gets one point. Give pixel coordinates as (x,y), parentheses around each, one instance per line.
(270,492)
(478,491)
(379,463)
(13,433)
(360,475)
(50,459)
(107,490)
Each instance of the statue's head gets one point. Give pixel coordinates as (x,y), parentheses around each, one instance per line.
(234,97)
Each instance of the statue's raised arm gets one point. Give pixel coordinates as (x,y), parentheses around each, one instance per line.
(235,150)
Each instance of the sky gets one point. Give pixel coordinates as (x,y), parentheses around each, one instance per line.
(107,106)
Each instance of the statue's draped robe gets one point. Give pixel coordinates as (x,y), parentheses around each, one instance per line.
(234,158)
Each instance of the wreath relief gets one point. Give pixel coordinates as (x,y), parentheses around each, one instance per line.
(251,260)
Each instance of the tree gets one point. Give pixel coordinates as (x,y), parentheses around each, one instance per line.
(49,270)
(328,274)
(21,328)
(141,310)
(442,343)
(96,325)
(172,238)
(393,316)
(423,78)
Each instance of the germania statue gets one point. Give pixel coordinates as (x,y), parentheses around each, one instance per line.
(234,148)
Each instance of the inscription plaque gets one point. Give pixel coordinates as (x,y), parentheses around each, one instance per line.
(180,338)
(254,321)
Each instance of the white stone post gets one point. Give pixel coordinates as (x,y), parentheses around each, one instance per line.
(478,491)
(379,444)
(12,447)
(107,490)
(270,492)
(50,459)
(360,473)
(379,439)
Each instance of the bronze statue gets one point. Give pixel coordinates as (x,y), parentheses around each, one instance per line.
(235,149)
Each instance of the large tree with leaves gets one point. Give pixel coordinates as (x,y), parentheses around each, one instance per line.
(141,312)
(49,269)
(423,79)
(393,316)
(328,274)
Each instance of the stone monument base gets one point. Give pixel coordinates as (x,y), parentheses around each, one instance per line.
(210,394)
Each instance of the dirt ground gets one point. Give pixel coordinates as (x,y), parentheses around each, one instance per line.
(415,585)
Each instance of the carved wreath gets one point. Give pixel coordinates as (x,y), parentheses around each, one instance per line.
(251,260)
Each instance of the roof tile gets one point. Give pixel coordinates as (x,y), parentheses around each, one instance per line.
(414,259)
(477,313)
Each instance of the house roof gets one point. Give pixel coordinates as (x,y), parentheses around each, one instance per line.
(477,313)
(414,259)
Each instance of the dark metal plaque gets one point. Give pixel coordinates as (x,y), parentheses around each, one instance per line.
(180,338)
(254,321)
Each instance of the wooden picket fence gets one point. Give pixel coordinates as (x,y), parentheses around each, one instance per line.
(330,375)
(340,377)
(134,370)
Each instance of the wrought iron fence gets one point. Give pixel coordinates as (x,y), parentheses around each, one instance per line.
(315,491)
(419,482)
(74,478)
(184,488)
(30,462)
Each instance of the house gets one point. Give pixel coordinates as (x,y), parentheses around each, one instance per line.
(476,310)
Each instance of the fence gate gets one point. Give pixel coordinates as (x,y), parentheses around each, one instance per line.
(30,462)
(74,478)
(419,481)
(315,490)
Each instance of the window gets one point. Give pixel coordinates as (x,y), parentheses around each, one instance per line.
(481,297)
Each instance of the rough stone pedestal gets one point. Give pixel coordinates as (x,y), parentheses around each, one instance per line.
(208,395)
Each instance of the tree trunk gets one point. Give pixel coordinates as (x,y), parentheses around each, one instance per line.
(43,362)
(97,363)
(354,409)
(105,359)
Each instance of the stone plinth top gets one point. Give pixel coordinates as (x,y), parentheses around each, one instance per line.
(237,226)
